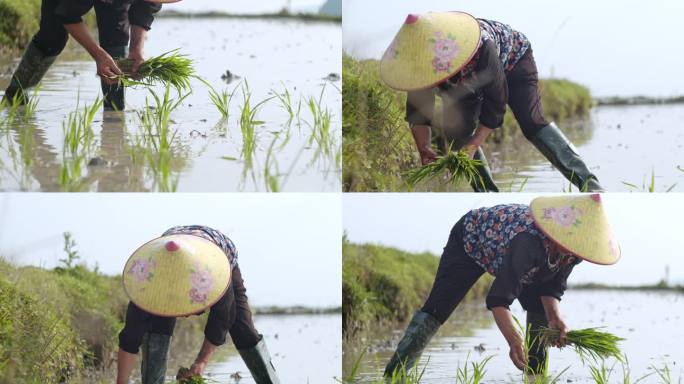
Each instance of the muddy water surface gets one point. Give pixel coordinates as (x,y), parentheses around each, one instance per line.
(651,323)
(304,348)
(207,153)
(623,146)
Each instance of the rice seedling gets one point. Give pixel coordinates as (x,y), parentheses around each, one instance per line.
(221,100)
(78,143)
(456,167)
(159,142)
(320,129)
(191,380)
(663,374)
(170,68)
(588,342)
(650,187)
(249,122)
(463,375)
(287,105)
(27,103)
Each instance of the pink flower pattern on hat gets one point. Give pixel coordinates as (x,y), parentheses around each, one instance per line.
(445,50)
(202,282)
(141,270)
(563,216)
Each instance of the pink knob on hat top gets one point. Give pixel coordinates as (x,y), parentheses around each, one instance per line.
(596,197)
(172,246)
(412,19)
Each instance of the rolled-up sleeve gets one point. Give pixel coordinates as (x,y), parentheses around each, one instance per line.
(491,80)
(523,253)
(141,13)
(420,107)
(130,337)
(72,11)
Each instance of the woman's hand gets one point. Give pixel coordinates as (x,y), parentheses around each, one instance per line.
(471,149)
(106,67)
(137,57)
(427,155)
(559,324)
(552,310)
(518,355)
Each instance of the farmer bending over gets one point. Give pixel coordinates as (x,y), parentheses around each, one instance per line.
(185,272)
(118,21)
(531,251)
(476,66)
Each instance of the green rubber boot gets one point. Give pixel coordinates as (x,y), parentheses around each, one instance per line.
(553,144)
(418,334)
(259,363)
(537,353)
(32,67)
(114,95)
(155,349)
(485,183)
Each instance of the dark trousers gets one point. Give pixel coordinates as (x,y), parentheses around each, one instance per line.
(462,111)
(112,25)
(241,325)
(456,274)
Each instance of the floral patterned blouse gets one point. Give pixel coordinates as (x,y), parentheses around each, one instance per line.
(505,242)
(210,234)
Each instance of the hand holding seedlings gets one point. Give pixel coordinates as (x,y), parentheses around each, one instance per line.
(589,342)
(559,325)
(518,355)
(170,68)
(106,67)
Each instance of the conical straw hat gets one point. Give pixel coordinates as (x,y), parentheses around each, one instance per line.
(429,49)
(176,275)
(579,225)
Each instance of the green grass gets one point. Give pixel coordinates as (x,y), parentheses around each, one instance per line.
(377,145)
(19,21)
(384,286)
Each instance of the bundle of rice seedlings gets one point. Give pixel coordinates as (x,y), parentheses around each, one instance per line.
(587,342)
(169,68)
(457,165)
(192,380)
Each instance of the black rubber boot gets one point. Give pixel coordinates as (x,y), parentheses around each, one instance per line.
(114,95)
(416,337)
(33,66)
(155,349)
(485,183)
(537,358)
(259,363)
(553,144)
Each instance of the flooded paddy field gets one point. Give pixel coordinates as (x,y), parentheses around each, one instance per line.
(291,347)
(650,322)
(625,146)
(289,143)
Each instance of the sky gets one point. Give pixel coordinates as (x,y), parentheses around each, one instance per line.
(647,226)
(615,47)
(289,245)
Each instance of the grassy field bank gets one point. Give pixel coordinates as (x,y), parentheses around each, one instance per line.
(19,20)
(385,286)
(377,144)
